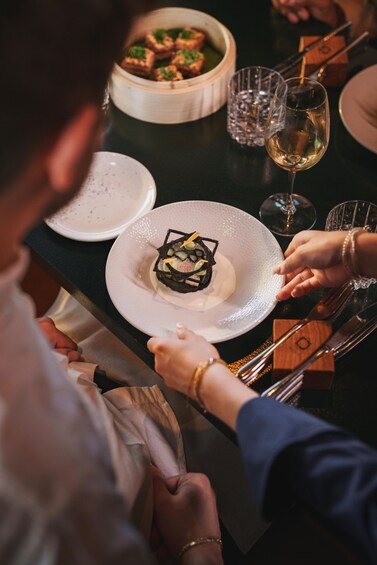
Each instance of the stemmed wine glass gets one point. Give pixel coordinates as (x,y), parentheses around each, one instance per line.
(296,137)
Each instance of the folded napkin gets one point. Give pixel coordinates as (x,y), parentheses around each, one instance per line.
(141,429)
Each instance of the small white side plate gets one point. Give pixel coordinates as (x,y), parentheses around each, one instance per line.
(242,290)
(117,191)
(357,100)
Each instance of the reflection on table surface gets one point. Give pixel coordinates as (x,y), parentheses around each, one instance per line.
(198,161)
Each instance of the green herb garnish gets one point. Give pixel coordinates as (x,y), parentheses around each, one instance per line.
(168,74)
(137,52)
(187,34)
(174,32)
(190,56)
(159,35)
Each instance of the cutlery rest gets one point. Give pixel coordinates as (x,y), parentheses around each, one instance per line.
(336,72)
(319,375)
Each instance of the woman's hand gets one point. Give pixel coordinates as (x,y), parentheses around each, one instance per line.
(59,341)
(313,260)
(185,510)
(296,10)
(177,357)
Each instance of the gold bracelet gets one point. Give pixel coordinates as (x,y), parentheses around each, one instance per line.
(192,380)
(198,375)
(200,541)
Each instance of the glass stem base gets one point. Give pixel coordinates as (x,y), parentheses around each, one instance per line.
(287,214)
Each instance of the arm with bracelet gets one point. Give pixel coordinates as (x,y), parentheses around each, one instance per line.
(322,259)
(288,454)
(195,539)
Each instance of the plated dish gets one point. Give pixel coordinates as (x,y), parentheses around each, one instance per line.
(185,263)
(170,55)
(117,191)
(356,104)
(242,289)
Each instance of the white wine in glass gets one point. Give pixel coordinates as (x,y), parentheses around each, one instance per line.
(296,138)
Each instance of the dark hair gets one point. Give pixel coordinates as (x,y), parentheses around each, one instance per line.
(55,56)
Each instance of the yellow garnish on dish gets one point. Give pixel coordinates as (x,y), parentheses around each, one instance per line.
(190,239)
(168,260)
(199,264)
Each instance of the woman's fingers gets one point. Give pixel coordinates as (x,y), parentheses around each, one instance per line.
(301,284)
(292,262)
(182,331)
(306,287)
(155,343)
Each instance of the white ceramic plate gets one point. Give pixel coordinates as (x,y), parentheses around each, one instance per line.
(242,290)
(357,97)
(117,190)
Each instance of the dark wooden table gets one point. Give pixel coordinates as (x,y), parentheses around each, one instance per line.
(205,164)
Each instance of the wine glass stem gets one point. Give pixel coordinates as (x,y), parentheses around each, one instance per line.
(289,207)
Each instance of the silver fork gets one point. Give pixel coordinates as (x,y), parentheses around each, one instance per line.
(319,74)
(328,308)
(293,60)
(294,386)
(340,343)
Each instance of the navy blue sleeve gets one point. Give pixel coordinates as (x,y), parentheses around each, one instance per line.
(286,450)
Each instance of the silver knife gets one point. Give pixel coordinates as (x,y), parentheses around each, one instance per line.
(319,73)
(328,308)
(350,334)
(294,59)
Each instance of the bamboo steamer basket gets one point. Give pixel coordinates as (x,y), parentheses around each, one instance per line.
(181,101)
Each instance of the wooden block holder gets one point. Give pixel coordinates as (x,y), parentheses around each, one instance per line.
(320,374)
(336,72)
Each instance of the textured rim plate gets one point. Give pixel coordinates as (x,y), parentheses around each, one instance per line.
(360,94)
(245,245)
(117,191)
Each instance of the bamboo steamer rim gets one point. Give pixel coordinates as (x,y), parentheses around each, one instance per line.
(189,84)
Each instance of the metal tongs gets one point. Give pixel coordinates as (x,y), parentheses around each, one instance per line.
(294,59)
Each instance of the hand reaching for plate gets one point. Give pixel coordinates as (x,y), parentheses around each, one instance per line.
(313,260)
